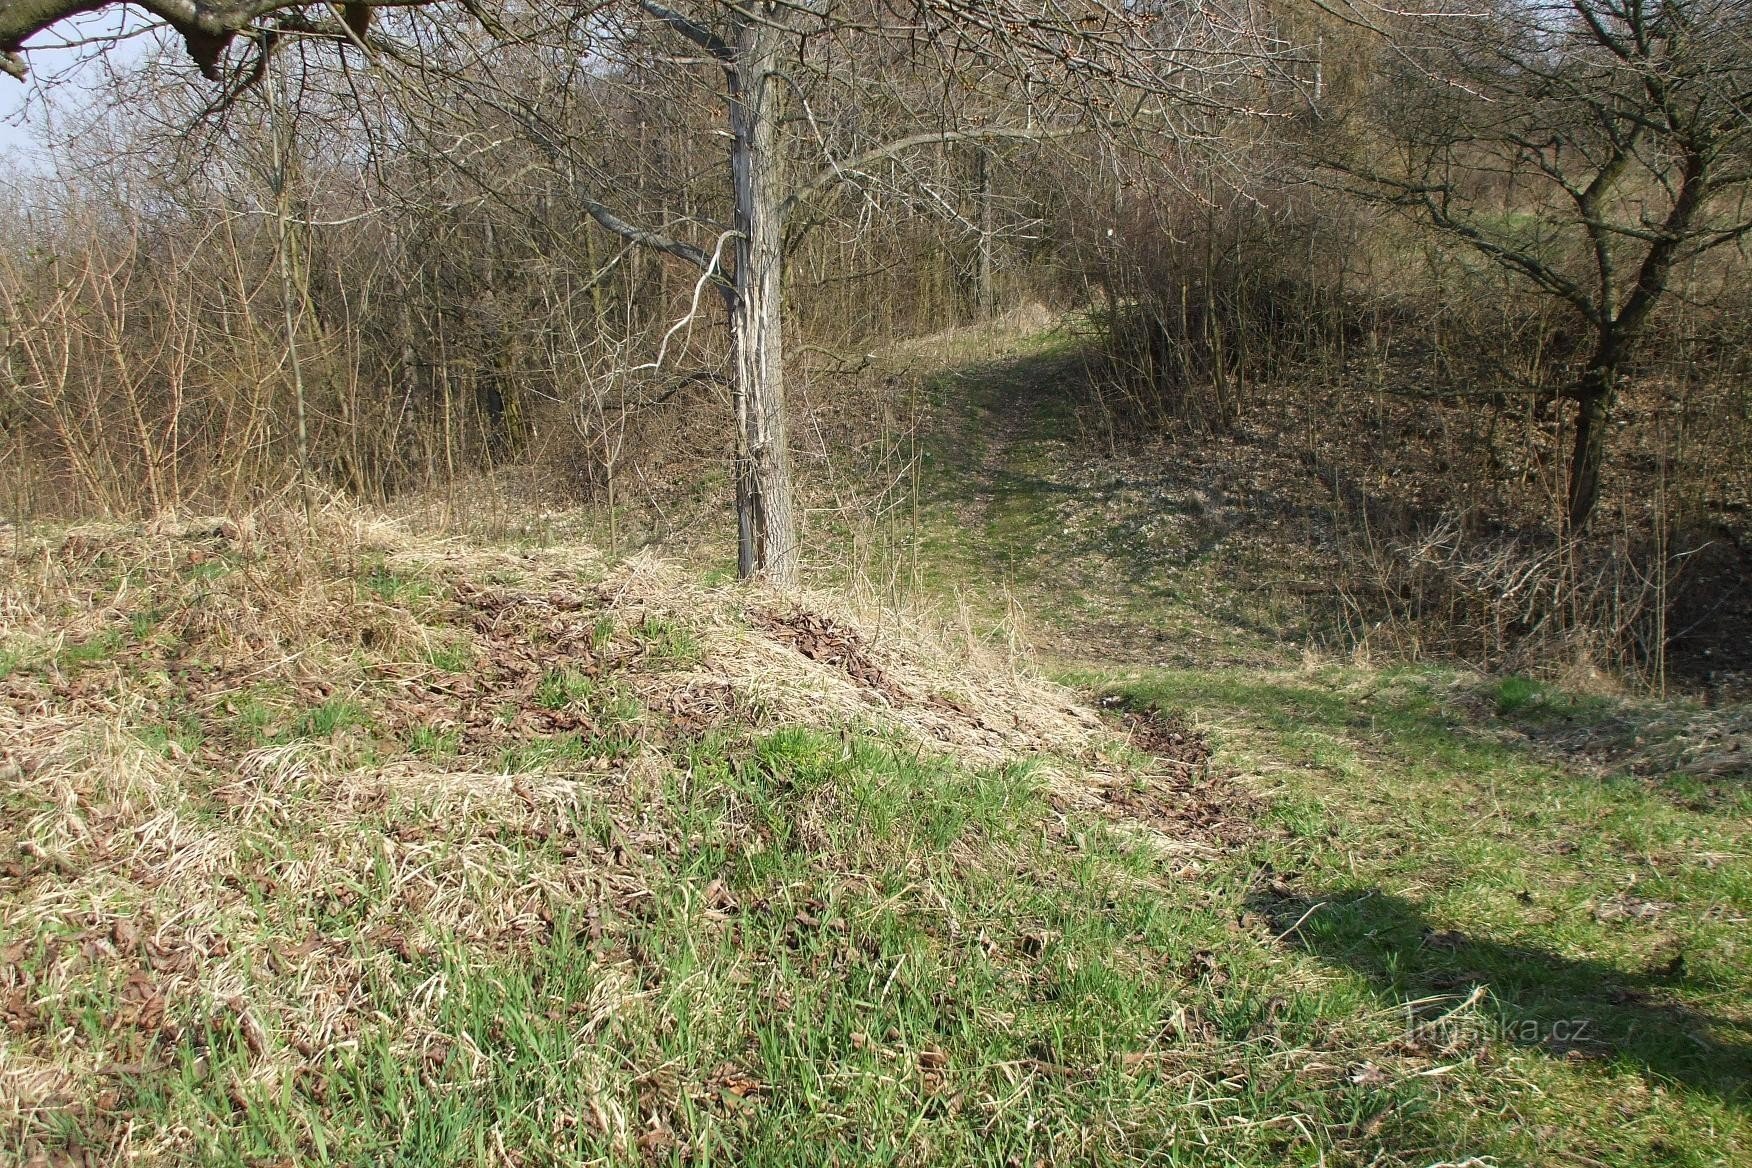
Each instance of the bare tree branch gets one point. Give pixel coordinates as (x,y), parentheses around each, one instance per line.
(849,171)
(207,26)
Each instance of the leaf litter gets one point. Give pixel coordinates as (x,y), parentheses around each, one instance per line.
(228,843)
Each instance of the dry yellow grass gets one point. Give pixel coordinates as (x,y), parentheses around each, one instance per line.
(255,768)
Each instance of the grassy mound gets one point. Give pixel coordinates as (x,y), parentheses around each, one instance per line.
(345,845)
(350,845)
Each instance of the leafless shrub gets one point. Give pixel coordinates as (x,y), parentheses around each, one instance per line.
(1519,603)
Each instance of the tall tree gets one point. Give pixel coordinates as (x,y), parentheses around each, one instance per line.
(829,98)
(1590,147)
(817,98)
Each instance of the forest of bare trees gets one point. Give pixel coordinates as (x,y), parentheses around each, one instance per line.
(387,250)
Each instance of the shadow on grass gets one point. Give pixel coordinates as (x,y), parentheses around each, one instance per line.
(998,458)
(1568,1008)
(1159,520)
(1415,720)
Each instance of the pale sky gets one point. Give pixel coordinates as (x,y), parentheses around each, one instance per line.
(68,64)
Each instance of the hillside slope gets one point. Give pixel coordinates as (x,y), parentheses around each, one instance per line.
(348,846)
(355,846)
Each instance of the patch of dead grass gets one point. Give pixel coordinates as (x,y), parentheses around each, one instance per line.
(227,844)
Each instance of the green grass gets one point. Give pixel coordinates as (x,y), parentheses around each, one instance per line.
(451,658)
(865,954)
(326,719)
(538,753)
(615,706)
(1018,504)
(808,947)
(142,624)
(1540,701)
(182,736)
(1564,941)
(432,743)
(562,688)
(669,642)
(95,650)
(393,587)
(1514,694)
(209,570)
(250,718)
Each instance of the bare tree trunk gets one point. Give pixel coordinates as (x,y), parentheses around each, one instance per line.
(283,256)
(985,296)
(1594,393)
(766,523)
(1593,412)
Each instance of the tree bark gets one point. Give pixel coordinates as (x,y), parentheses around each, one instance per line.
(765,507)
(1593,395)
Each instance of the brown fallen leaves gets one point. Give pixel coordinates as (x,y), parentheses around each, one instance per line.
(702,705)
(1166,737)
(142,1004)
(736,1088)
(18,1011)
(822,639)
(1179,795)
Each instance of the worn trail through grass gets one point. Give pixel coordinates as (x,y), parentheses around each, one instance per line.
(1536,900)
